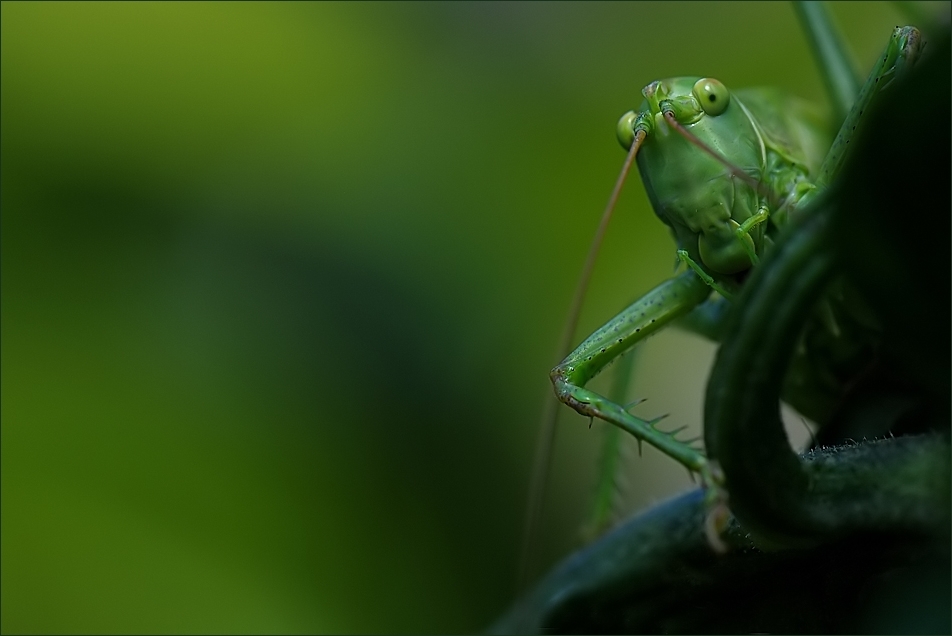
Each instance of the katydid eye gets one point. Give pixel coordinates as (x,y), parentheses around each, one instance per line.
(625,129)
(712,95)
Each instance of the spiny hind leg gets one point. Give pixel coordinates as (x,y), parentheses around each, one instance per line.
(670,300)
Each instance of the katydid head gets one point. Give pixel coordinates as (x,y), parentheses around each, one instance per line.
(702,161)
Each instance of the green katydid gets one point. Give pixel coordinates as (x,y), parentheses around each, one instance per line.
(726,170)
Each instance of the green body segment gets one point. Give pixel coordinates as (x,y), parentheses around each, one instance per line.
(645,316)
(777,140)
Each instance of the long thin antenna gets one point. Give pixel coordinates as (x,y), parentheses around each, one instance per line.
(546,440)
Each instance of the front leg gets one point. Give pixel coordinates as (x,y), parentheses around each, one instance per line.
(666,302)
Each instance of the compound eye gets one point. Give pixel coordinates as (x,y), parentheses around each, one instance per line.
(625,129)
(712,95)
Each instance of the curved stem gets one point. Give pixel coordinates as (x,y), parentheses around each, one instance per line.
(743,430)
(774,494)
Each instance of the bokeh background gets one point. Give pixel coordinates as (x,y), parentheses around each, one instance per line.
(281,285)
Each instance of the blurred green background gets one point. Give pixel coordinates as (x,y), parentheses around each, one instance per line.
(282,283)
